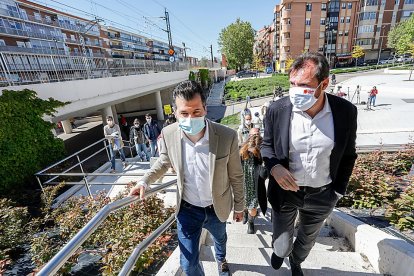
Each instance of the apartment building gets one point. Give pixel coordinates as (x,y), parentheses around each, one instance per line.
(264,45)
(124,44)
(375,19)
(29,27)
(320,26)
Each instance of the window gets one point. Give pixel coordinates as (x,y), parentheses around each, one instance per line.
(342,19)
(289,6)
(21,44)
(321,34)
(37,16)
(307,21)
(343,6)
(345,46)
(72,37)
(407,13)
(333,19)
(287,49)
(371,3)
(366,29)
(323,6)
(349,5)
(407,2)
(307,35)
(287,21)
(42,31)
(367,15)
(340,33)
(348,19)
(48,19)
(397,2)
(308,6)
(320,49)
(287,35)
(323,21)
(346,33)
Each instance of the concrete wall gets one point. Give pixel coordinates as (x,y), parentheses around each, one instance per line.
(90,95)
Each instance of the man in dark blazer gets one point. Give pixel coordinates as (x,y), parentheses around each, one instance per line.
(309,150)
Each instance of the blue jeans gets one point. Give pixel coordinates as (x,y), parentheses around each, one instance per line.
(190,221)
(142,148)
(112,154)
(154,148)
(372,100)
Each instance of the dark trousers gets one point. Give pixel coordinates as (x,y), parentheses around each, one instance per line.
(313,206)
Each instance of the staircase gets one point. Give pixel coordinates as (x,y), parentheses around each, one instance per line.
(250,254)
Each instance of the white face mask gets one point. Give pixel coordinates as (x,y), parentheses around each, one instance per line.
(303,98)
(248,122)
(192,126)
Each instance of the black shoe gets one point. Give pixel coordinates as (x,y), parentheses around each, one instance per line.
(245,216)
(223,268)
(250,227)
(295,268)
(276,261)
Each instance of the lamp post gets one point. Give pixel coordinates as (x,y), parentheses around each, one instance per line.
(380,45)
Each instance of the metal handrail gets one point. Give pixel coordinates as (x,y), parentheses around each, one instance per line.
(140,248)
(67,251)
(79,163)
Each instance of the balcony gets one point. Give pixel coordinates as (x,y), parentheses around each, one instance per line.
(17,49)
(6,12)
(17,32)
(41,20)
(286,28)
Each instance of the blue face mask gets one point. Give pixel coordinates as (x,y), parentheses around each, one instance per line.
(192,126)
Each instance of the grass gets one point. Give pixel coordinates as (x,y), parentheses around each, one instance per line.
(232,121)
(404,67)
(238,90)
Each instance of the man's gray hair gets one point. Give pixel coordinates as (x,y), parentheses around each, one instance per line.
(322,65)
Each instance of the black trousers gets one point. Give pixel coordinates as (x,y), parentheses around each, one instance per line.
(313,206)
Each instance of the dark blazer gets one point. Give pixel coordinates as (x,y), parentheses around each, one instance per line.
(275,146)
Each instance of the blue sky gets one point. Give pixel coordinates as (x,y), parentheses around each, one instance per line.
(197,23)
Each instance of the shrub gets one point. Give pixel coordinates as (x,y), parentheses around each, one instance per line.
(26,141)
(255,87)
(114,240)
(13,227)
(401,212)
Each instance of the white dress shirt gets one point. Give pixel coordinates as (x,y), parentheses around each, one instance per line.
(310,146)
(196,168)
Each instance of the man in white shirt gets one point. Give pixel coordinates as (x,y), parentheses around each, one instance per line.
(309,150)
(205,156)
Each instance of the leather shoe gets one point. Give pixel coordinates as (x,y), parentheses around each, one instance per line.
(295,268)
(250,227)
(276,261)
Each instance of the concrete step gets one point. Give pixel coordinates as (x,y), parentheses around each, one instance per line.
(331,244)
(256,261)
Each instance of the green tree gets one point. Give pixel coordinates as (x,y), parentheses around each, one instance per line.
(258,63)
(401,36)
(236,42)
(26,141)
(357,53)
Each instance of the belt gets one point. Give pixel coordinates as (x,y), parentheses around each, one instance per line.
(312,190)
(189,205)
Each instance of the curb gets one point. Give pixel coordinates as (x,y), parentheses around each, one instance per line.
(387,254)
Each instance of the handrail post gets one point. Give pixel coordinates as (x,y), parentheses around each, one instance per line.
(40,183)
(106,148)
(84,177)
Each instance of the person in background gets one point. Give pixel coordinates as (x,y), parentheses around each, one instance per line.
(244,129)
(257,121)
(170,120)
(112,132)
(206,158)
(151,132)
(137,137)
(124,127)
(372,96)
(255,175)
(245,111)
(309,151)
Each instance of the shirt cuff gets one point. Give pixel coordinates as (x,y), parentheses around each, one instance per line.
(142,183)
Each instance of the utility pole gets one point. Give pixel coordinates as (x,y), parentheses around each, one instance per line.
(211,52)
(167,21)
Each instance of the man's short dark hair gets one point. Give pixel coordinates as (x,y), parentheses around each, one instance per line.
(187,90)
(109,117)
(322,65)
(148,115)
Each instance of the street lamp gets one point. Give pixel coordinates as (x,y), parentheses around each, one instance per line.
(380,46)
